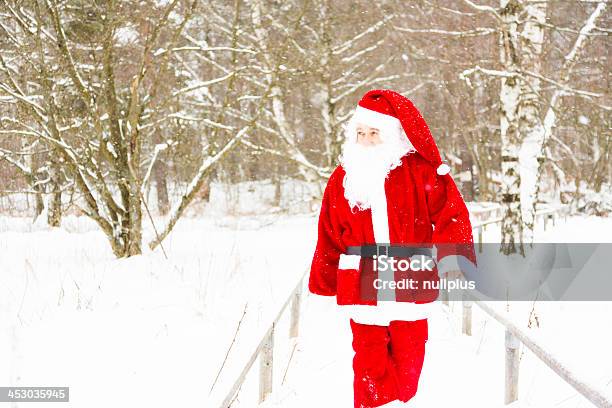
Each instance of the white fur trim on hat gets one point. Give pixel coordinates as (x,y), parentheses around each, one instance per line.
(443,169)
(374,119)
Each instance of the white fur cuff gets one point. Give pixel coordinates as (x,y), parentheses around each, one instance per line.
(349,261)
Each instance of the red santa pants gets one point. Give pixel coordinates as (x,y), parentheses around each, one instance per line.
(388,361)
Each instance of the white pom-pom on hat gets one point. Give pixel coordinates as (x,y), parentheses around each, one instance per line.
(443,169)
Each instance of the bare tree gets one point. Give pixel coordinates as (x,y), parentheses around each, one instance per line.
(116,101)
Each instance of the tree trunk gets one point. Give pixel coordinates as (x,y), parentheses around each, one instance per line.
(278,182)
(530,124)
(134,244)
(512,225)
(160,175)
(468,186)
(54,204)
(161,187)
(40,203)
(479,151)
(33,162)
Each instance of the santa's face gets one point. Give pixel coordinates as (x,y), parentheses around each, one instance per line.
(368,136)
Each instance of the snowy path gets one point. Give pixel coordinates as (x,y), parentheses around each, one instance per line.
(321,374)
(459,371)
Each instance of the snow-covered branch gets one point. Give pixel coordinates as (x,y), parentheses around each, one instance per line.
(464,75)
(460,34)
(204,49)
(347,45)
(203,84)
(6,156)
(493,11)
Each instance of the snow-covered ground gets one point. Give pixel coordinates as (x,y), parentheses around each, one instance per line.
(463,371)
(149,331)
(143,331)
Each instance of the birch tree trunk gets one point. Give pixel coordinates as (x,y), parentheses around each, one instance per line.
(530,124)
(512,226)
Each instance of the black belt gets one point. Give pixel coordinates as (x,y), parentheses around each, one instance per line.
(398,251)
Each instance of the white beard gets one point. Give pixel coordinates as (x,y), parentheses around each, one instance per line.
(366,169)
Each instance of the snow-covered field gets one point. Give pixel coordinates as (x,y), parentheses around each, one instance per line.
(150,331)
(144,331)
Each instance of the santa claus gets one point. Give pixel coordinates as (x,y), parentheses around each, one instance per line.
(390,195)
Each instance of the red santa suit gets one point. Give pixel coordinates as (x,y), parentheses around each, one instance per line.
(418,204)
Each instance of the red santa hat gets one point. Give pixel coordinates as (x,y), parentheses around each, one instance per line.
(384,108)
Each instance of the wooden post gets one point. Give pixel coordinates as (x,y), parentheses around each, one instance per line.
(444,296)
(466,327)
(265,366)
(480,238)
(512,367)
(295,314)
(545,221)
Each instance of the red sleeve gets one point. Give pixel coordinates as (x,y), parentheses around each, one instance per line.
(449,215)
(322,280)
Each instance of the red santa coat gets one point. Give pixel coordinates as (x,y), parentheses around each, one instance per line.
(418,206)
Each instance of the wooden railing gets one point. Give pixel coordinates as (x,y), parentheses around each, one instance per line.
(515,336)
(265,348)
(545,215)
